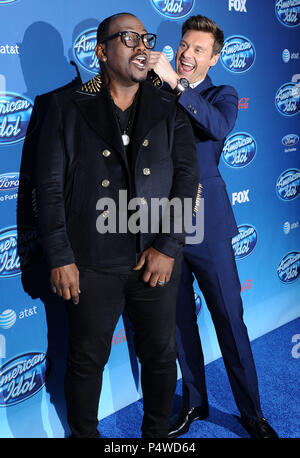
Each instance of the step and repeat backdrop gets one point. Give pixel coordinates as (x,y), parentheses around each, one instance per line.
(45,46)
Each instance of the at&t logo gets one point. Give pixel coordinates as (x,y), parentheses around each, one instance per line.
(288,12)
(83,50)
(15,112)
(168,52)
(287,55)
(7,319)
(244,243)
(288,184)
(289,268)
(239,150)
(173,9)
(238,54)
(288,227)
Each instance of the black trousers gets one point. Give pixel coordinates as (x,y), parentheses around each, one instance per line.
(152,312)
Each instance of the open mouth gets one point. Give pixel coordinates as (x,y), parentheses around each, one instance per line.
(185,67)
(140,61)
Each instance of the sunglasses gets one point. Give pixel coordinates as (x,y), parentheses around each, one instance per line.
(132,39)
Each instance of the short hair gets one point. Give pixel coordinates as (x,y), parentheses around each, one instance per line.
(204,24)
(103,28)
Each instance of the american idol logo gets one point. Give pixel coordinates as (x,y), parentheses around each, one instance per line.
(83,50)
(290,140)
(289,267)
(287,99)
(238,54)
(288,184)
(239,150)
(15,112)
(244,243)
(288,12)
(22,377)
(19,250)
(173,9)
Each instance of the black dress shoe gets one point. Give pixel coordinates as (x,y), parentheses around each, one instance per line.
(180,423)
(259,429)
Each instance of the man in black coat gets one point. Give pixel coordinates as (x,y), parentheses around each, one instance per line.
(114,139)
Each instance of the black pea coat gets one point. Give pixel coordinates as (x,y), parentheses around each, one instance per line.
(81,159)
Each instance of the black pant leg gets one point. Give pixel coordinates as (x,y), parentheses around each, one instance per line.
(91,326)
(152,312)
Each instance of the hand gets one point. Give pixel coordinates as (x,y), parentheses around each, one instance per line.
(159,266)
(160,64)
(65,282)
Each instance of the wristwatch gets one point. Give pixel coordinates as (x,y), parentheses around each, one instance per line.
(182,85)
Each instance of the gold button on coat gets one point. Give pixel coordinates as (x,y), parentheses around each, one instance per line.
(146,171)
(106,153)
(146,142)
(105,183)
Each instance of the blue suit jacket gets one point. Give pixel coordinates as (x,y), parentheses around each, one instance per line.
(213,111)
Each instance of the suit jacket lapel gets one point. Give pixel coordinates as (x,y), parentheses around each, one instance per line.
(206,83)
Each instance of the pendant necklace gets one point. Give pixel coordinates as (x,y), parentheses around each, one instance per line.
(125,130)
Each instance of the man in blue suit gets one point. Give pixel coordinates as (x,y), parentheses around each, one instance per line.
(213,111)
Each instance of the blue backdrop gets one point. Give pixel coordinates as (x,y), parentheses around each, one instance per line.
(45,46)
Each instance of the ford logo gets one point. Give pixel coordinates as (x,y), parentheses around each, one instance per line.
(288,184)
(290,140)
(288,12)
(239,150)
(238,54)
(15,112)
(22,377)
(289,267)
(244,243)
(287,99)
(83,50)
(10,181)
(18,251)
(173,9)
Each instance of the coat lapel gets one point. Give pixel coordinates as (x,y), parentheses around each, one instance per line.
(95,105)
(153,106)
(98,112)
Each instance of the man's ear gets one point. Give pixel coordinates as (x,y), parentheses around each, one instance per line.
(214,59)
(100,52)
